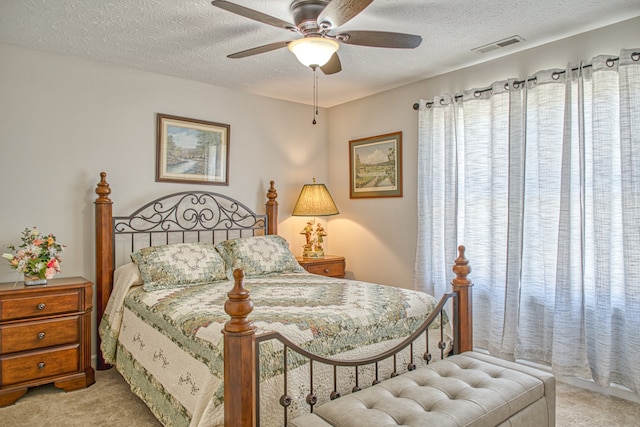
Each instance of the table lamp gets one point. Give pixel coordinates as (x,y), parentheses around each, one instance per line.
(314,200)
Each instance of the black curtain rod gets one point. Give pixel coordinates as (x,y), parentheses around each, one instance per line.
(635,56)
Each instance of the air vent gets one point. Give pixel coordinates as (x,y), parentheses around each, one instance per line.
(497,45)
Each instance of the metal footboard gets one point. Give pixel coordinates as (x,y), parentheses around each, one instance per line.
(294,356)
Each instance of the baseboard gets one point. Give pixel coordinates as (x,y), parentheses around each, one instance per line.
(614,390)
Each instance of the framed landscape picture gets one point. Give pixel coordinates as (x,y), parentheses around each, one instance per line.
(376,166)
(192,151)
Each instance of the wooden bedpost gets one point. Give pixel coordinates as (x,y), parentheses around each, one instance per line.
(462,286)
(239,357)
(104,258)
(272,210)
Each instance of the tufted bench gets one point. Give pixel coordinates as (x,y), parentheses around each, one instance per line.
(469,389)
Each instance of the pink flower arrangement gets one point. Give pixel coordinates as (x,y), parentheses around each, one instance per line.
(38,255)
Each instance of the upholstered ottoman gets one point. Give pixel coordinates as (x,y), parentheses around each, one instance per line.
(469,389)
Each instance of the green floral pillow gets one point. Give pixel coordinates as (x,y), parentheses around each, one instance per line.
(178,265)
(258,255)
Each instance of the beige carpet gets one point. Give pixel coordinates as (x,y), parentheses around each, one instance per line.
(110,403)
(579,407)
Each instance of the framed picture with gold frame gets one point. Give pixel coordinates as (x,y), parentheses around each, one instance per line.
(192,151)
(375,166)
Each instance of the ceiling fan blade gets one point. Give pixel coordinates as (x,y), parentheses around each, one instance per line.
(253,14)
(332,66)
(257,50)
(380,39)
(338,12)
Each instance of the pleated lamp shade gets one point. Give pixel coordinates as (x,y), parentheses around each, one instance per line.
(315,200)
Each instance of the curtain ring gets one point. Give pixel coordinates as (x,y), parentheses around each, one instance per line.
(610,62)
(635,56)
(506,86)
(477,94)
(555,75)
(428,104)
(441,101)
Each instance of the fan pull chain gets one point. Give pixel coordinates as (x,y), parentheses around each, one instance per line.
(315,92)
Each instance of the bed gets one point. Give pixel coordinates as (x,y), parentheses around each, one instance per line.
(209,318)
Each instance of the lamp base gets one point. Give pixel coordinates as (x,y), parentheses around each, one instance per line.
(313,254)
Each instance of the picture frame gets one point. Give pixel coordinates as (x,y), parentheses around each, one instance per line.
(192,151)
(375,166)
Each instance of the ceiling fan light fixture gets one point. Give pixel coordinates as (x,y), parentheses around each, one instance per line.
(313,50)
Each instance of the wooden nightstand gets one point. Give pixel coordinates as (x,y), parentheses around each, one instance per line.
(330,265)
(45,336)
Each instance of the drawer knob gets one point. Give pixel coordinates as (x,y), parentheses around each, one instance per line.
(326,270)
(41,306)
(41,365)
(41,335)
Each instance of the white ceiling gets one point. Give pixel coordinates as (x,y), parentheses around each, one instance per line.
(191,38)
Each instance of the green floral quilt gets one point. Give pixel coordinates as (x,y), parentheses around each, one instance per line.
(168,344)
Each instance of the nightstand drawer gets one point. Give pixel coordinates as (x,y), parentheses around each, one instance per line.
(329,269)
(40,305)
(41,364)
(39,334)
(330,265)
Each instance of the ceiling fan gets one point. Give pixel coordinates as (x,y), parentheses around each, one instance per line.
(315,20)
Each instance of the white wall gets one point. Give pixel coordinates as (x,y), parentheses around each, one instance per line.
(64,120)
(381,240)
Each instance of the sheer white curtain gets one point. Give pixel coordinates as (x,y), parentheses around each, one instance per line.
(540,179)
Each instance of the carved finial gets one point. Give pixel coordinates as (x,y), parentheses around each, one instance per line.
(272,195)
(461,269)
(103,190)
(272,210)
(238,306)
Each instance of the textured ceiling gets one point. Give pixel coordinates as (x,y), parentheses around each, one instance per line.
(191,38)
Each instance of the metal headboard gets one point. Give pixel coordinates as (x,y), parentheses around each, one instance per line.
(189,216)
